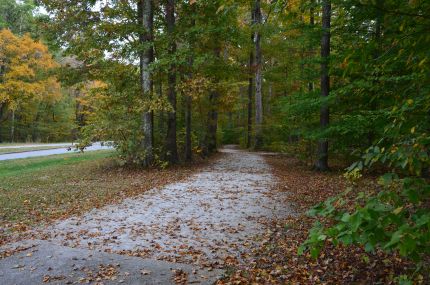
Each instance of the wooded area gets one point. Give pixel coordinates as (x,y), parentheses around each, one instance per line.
(334,83)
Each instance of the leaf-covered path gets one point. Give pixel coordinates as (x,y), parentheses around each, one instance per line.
(209,220)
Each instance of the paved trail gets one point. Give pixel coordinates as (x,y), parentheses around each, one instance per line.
(204,221)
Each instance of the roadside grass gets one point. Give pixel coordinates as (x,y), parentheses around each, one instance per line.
(33,166)
(39,190)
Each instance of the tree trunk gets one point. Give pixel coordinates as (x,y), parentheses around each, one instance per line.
(312,13)
(258,77)
(188,104)
(211,134)
(269,99)
(312,23)
(188,114)
(250,97)
(171,146)
(188,142)
(322,159)
(146,18)
(211,141)
(376,53)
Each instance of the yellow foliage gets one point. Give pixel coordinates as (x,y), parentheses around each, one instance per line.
(25,67)
(196,87)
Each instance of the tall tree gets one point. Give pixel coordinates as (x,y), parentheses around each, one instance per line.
(258,75)
(322,159)
(188,98)
(250,98)
(171,145)
(212,120)
(311,23)
(250,89)
(146,18)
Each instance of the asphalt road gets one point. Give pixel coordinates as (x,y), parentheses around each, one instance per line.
(37,153)
(36,145)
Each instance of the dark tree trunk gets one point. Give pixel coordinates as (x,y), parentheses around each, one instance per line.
(268,111)
(161,115)
(312,23)
(188,104)
(171,146)
(312,13)
(188,142)
(258,77)
(377,38)
(146,18)
(211,141)
(322,155)
(211,134)
(250,98)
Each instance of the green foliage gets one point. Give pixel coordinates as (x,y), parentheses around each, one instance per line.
(395,218)
(379,109)
(17,16)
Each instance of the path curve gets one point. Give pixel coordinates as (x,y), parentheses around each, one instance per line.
(203,220)
(193,228)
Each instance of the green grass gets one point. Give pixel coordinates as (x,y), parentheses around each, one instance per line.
(30,165)
(42,189)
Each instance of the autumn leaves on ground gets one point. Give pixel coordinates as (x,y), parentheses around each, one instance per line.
(275,260)
(233,212)
(39,190)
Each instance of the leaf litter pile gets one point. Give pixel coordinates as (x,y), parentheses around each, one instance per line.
(275,261)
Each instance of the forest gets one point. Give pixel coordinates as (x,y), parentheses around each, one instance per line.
(341,86)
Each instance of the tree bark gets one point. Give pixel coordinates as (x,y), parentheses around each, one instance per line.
(146,19)
(211,134)
(171,146)
(312,13)
(250,98)
(312,23)
(188,142)
(258,77)
(268,111)
(376,53)
(188,102)
(322,155)
(211,141)
(161,115)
